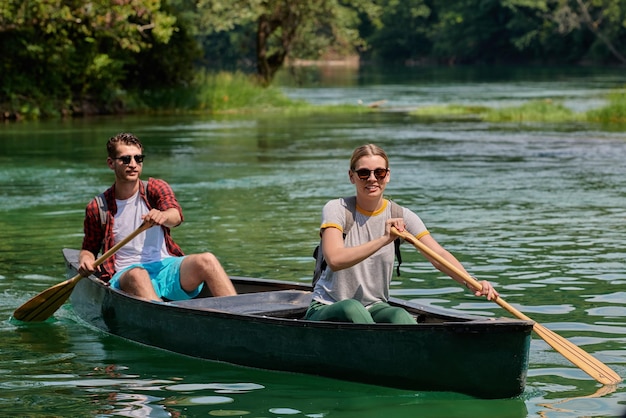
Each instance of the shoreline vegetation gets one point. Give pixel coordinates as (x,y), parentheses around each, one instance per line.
(239,93)
(209,93)
(534,111)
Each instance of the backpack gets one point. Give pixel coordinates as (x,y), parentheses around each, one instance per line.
(320,263)
(103,207)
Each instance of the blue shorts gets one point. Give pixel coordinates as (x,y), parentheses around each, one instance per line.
(165,277)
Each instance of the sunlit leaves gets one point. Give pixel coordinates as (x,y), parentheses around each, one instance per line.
(72,50)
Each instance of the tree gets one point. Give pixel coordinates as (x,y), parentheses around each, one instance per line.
(604,19)
(75,52)
(287,28)
(404,33)
(472,32)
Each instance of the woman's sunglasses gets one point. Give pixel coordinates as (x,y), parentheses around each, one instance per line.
(126,158)
(379,173)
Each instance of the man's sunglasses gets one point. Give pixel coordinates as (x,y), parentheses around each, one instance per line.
(126,158)
(379,173)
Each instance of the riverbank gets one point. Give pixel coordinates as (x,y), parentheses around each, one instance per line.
(238,93)
(210,93)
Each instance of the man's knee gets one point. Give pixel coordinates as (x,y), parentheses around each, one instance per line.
(134,278)
(210,259)
(206,261)
(135,274)
(198,268)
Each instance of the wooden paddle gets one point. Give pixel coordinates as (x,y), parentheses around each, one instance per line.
(42,306)
(585,361)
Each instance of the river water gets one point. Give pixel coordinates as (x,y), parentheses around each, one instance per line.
(537,209)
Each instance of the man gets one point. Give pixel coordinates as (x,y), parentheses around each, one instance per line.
(151,266)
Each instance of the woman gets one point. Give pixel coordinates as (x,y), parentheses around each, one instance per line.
(354,287)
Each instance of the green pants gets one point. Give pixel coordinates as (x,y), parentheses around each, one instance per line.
(351,310)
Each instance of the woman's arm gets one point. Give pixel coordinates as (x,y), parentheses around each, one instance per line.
(430,242)
(339,257)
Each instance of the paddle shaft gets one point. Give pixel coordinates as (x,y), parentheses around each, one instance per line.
(113,249)
(119,245)
(585,361)
(43,305)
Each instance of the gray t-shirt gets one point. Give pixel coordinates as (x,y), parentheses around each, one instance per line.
(369,280)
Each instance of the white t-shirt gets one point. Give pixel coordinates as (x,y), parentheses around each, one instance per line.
(146,247)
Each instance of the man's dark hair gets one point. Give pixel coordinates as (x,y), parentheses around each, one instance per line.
(123,138)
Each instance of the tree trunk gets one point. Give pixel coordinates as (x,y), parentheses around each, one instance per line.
(267,65)
(262,34)
(287,21)
(593,27)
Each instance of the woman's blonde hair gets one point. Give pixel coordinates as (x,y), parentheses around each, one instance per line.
(365,150)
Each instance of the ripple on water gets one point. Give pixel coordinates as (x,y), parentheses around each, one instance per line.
(199,400)
(608,311)
(615,297)
(235,387)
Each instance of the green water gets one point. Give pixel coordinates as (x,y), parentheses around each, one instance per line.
(536,209)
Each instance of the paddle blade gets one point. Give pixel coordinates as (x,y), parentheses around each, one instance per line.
(43,305)
(585,361)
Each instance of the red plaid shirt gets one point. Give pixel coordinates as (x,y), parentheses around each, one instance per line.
(96,238)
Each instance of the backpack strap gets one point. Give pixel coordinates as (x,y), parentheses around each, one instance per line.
(397,212)
(103,207)
(350,213)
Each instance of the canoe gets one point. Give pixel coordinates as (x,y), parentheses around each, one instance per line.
(263,327)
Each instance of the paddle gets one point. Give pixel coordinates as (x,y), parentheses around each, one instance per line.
(41,307)
(585,361)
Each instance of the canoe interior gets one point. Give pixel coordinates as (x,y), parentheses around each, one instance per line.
(278,303)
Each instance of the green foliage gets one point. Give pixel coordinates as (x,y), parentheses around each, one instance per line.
(74,54)
(472,32)
(534,111)
(614,111)
(218,92)
(76,57)
(225,91)
(593,29)
(295,29)
(537,111)
(451,111)
(404,32)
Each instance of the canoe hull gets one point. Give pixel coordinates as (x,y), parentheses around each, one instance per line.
(480,357)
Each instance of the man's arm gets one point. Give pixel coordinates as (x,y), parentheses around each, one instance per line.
(169,218)
(164,201)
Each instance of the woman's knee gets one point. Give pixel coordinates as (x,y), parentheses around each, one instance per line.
(394,315)
(400,316)
(348,310)
(354,311)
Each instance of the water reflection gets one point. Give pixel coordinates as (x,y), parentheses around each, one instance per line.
(574,405)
